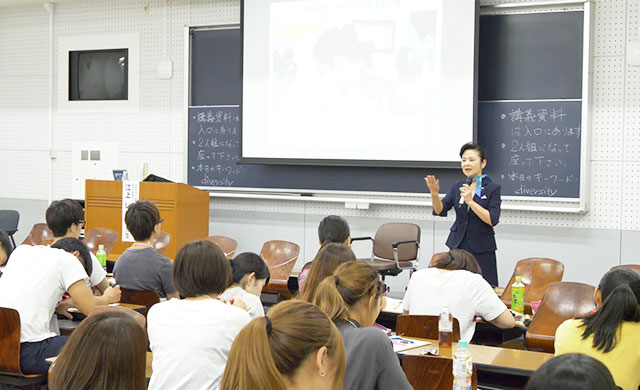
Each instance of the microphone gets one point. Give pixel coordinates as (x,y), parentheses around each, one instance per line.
(467,182)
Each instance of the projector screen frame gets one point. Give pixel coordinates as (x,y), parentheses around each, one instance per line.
(364,163)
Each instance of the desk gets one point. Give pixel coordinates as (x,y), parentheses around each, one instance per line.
(67,326)
(497,367)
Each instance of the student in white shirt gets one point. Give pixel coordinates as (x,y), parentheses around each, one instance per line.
(33,283)
(250,275)
(65,218)
(191,338)
(455,278)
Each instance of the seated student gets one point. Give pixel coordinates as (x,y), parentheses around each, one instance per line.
(140,267)
(250,275)
(456,279)
(328,259)
(33,283)
(106,351)
(191,338)
(573,371)
(5,249)
(612,333)
(65,218)
(331,229)
(353,298)
(296,347)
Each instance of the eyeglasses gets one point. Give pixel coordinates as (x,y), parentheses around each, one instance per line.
(80,222)
(160,221)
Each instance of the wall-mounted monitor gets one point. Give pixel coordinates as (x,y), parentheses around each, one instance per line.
(99,74)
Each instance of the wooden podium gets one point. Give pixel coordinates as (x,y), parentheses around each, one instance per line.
(185,211)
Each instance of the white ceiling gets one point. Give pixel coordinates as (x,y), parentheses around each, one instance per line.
(25,3)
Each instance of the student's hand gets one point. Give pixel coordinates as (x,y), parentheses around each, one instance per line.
(433,184)
(239,303)
(64,306)
(112,294)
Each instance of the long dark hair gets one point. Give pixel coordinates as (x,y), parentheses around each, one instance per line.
(106,351)
(329,258)
(619,304)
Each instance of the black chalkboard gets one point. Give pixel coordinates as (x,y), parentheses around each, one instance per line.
(215,115)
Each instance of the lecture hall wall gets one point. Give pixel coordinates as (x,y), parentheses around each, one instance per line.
(589,244)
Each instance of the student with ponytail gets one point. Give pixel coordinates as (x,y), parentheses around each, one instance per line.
(250,275)
(296,347)
(611,334)
(352,298)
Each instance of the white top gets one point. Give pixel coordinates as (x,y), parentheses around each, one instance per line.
(33,283)
(190,341)
(97,273)
(467,294)
(252,301)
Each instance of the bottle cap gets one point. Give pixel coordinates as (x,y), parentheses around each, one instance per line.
(518,278)
(102,247)
(463,344)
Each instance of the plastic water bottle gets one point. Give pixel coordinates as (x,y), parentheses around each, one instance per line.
(462,367)
(101,255)
(517,295)
(445,330)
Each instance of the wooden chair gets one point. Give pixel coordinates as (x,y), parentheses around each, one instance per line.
(10,373)
(228,245)
(100,236)
(9,220)
(633,267)
(537,274)
(280,257)
(423,326)
(40,235)
(560,302)
(161,242)
(146,298)
(396,246)
(432,372)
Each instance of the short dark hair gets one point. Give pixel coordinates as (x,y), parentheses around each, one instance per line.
(572,371)
(333,229)
(473,146)
(5,242)
(61,214)
(140,218)
(456,259)
(201,268)
(71,245)
(246,263)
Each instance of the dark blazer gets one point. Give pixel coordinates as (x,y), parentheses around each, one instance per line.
(479,236)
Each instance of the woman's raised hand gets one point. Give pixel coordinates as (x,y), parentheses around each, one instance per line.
(433,184)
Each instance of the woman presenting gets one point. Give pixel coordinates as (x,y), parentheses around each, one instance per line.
(477,204)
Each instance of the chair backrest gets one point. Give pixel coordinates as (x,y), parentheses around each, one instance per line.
(280,257)
(226,244)
(9,341)
(423,326)
(560,302)
(40,235)
(100,236)
(161,242)
(392,232)
(146,298)
(633,267)
(537,274)
(138,317)
(432,372)
(9,221)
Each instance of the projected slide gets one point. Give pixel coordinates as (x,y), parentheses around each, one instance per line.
(354,80)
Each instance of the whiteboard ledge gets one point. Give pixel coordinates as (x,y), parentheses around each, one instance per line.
(359,203)
(535,4)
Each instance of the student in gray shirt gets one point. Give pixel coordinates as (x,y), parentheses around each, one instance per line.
(352,298)
(140,267)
